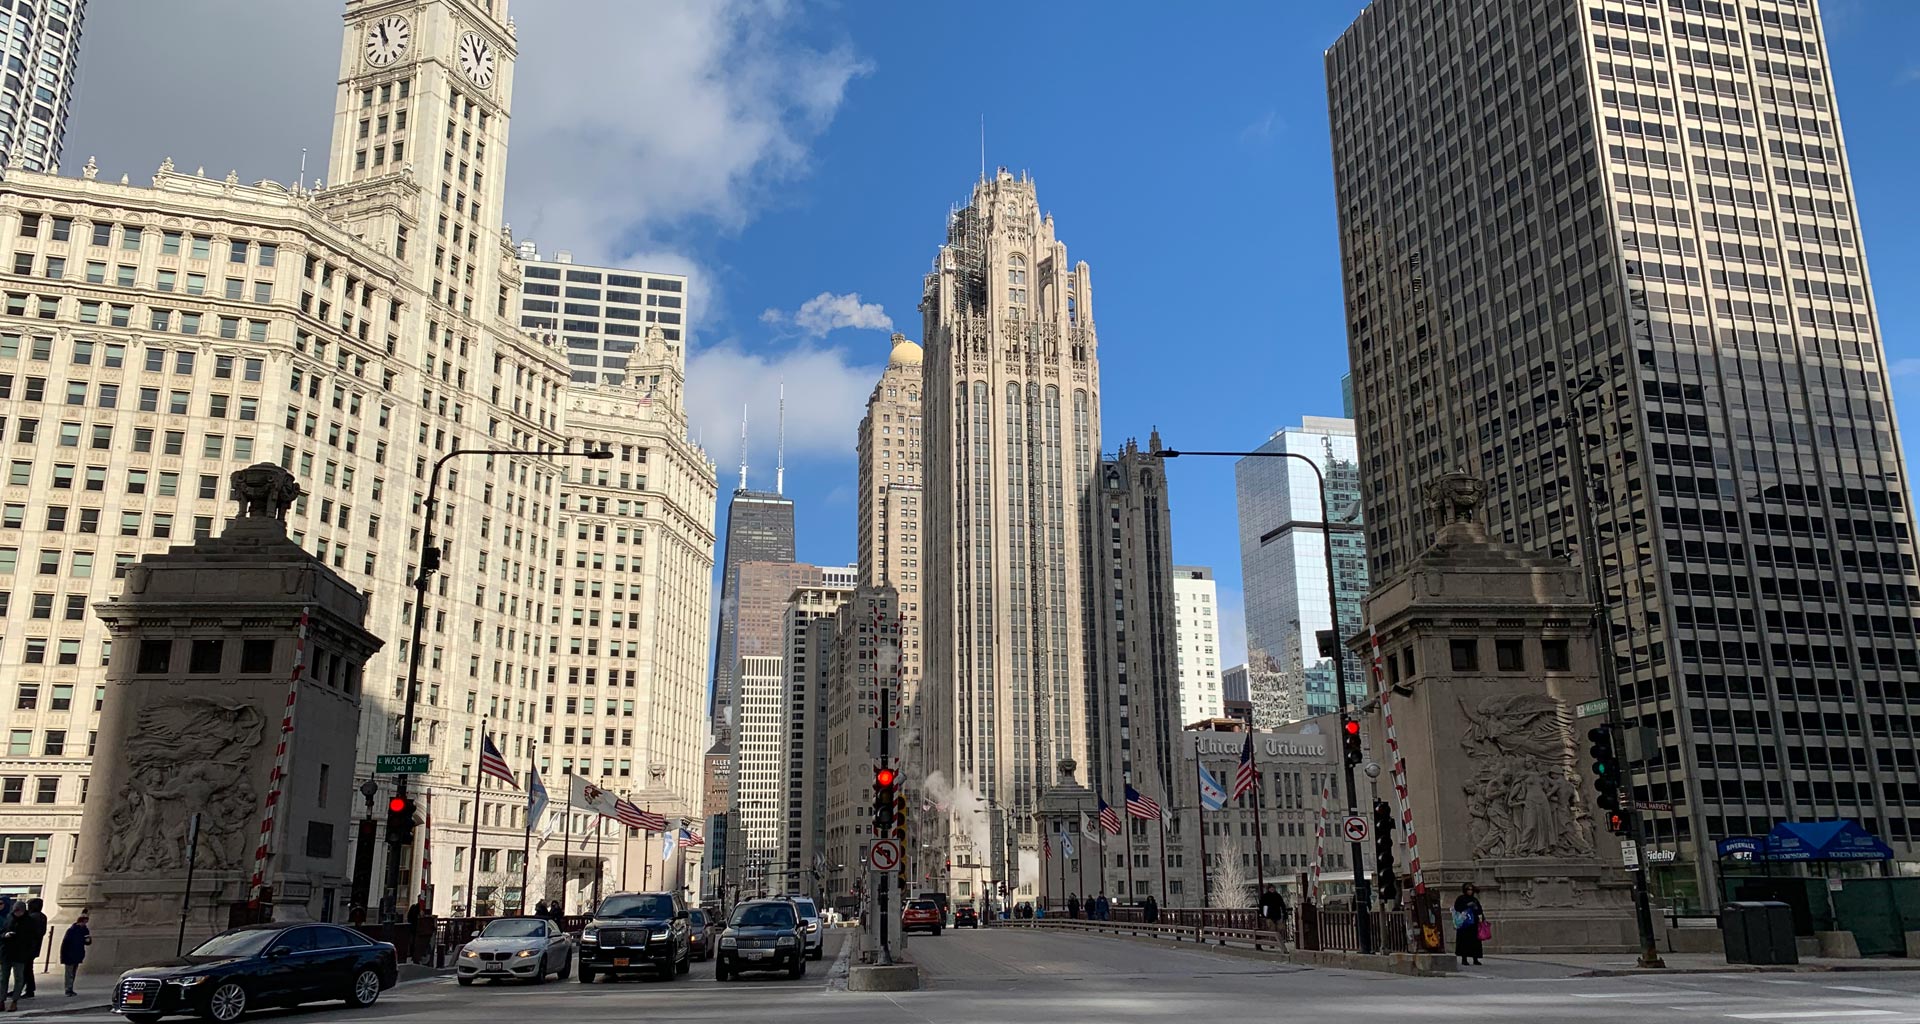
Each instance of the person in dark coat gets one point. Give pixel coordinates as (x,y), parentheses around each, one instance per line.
(36,913)
(1273,910)
(1073,905)
(19,943)
(1150,910)
(1467,917)
(73,948)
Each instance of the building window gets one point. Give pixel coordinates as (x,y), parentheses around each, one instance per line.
(1507,656)
(1465,654)
(1554,655)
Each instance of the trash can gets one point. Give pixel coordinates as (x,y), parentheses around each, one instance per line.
(1759,933)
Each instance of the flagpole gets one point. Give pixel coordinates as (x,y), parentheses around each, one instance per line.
(473,845)
(1063,862)
(1206,884)
(1163,858)
(1129,846)
(566,847)
(1259,850)
(1103,856)
(599,829)
(1080,862)
(526,836)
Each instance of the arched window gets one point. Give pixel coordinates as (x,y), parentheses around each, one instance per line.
(1017,280)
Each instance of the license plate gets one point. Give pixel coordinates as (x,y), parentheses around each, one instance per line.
(619,961)
(136,998)
(758,954)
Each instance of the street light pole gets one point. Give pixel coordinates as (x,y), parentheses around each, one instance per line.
(429,565)
(1609,670)
(1362,901)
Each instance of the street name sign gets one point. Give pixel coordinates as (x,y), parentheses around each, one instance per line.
(1589,709)
(401,764)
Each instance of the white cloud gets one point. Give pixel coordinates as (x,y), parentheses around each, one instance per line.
(826,395)
(829,312)
(638,123)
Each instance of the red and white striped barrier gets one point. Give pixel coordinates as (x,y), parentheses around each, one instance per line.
(270,811)
(1320,823)
(1399,769)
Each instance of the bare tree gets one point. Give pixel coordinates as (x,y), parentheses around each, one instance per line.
(1234,880)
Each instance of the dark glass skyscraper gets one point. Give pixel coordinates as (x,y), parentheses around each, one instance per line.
(759,529)
(1611,247)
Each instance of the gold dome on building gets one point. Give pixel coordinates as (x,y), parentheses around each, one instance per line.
(905,353)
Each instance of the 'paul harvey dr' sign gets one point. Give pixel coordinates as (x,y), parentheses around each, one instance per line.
(1264,746)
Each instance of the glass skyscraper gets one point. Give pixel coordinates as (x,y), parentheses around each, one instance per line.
(1283,566)
(598,314)
(1613,246)
(43,42)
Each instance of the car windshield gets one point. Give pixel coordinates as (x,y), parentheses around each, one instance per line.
(248,942)
(697,918)
(513,928)
(806,908)
(922,905)
(636,906)
(763,915)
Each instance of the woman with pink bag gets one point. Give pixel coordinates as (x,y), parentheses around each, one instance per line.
(1470,925)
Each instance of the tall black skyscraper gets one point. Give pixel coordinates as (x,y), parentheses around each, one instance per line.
(759,529)
(1612,247)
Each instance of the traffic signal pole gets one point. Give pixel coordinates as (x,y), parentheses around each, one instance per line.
(1609,668)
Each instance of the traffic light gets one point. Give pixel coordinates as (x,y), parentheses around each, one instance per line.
(1386,879)
(1616,823)
(886,784)
(400,819)
(1606,767)
(899,817)
(1352,741)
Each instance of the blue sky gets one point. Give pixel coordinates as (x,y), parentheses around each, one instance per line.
(782,152)
(1186,160)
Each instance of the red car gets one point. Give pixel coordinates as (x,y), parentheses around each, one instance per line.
(922,914)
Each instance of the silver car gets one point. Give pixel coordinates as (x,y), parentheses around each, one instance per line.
(811,926)
(517,949)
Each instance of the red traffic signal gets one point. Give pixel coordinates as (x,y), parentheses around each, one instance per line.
(883,776)
(397,805)
(1352,727)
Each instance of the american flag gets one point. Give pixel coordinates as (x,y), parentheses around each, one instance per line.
(1046,845)
(491,763)
(1109,820)
(633,817)
(1139,806)
(1243,780)
(691,840)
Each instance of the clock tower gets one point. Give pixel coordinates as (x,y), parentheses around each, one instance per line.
(419,156)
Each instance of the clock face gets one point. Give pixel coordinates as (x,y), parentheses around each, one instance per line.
(387,40)
(476,59)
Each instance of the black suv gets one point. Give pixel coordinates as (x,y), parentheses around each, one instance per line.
(632,932)
(763,935)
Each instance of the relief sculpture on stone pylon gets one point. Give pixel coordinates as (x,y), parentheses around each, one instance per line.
(188,755)
(1523,798)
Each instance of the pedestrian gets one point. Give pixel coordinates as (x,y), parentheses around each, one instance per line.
(540,909)
(1150,910)
(73,948)
(1273,910)
(36,915)
(1470,925)
(1073,905)
(18,946)
(1102,910)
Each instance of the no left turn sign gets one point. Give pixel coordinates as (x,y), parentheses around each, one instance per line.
(885,855)
(1354,828)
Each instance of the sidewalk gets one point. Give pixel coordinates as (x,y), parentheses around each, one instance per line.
(1612,965)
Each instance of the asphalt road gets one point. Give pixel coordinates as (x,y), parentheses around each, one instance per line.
(1013,976)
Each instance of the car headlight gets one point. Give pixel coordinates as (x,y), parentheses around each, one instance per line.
(527,952)
(662,936)
(786,940)
(728,941)
(589,935)
(468,954)
(190,980)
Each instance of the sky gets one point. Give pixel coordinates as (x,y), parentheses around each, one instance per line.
(798,160)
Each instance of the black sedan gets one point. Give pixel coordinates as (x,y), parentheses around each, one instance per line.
(260,965)
(763,935)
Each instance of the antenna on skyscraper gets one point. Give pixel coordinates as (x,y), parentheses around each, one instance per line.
(983,147)
(780,449)
(743,447)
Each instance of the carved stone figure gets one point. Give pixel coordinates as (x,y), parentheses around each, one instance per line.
(264,490)
(1521,799)
(1455,498)
(91,170)
(191,755)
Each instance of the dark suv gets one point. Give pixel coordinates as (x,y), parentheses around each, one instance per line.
(763,935)
(634,932)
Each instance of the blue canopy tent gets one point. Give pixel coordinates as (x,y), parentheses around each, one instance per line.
(1824,840)
(1797,842)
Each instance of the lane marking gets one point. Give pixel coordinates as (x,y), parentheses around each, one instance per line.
(1863,988)
(1805,1014)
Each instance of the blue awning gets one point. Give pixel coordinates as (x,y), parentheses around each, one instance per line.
(1824,840)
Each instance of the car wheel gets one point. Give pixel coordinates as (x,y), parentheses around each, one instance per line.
(586,975)
(227,1003)
(819,953)
(366,988)
(141,1018)
(685,964)
(799,968)
(938,929)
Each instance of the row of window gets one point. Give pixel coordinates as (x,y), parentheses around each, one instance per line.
(131,237)
(53,743)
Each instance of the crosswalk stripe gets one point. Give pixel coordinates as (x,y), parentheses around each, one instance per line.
(1806,1014)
